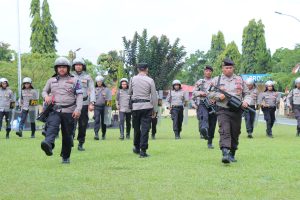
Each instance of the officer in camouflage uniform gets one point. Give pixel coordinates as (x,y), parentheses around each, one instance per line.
(6,99)
(176,99)
(144,106)
(66,95)
(293,102)
(88,90)
(207,121)
(229,118)
(122,103)
(29,96)
(269,100)
(250,116)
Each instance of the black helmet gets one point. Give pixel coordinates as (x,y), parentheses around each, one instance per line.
(78,61)
(62,61)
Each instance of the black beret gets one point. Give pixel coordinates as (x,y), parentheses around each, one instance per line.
(208,67)
(142,65)
(228,62)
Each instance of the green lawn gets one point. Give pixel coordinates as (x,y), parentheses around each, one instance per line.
(181,169)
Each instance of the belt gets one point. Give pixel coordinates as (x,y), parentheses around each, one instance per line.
(177,106)
(226,109)
(99,106)
(57,106)
(85,98)
(140,101)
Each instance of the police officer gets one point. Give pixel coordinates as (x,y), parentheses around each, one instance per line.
(293,102)
(102,94)
(66,95)
(28,104)
(144,106)
(6,100)
(207,118)
(250,116)
(122,104)
(229,117)
(268,101)
(154,120)
(88,90)
(176,99)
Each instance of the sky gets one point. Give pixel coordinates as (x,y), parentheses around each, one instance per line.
(97,26)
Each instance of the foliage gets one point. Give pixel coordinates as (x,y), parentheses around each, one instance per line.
(43,29)
(49,29)
(193,68)
(5,52)
(164,59)
(231,52)
(256,57)
(217,47)
(283,60)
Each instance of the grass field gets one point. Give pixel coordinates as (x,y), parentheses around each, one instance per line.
(181,169)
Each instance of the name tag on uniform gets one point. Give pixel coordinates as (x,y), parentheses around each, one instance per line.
(33,102)
(12,105)
(84,81)
(108,103)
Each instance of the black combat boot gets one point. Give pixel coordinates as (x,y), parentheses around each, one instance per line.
(80,147)
(153,136)
(225,158)
(19,133)
(232,156)
(65,161)
(204,133)
(269,130)
(7,134)
(143,154)
(298,132)
(177,137)
(121,132)
(32,130)
(250,135)
(128,136)
(96,136)
(47,148)
(136,150)
(103,136)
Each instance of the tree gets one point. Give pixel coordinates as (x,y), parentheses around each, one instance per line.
(49,30)
(164,59)
(110,64)
(256,57)
(231,52)
(193,68)
(36,38)
(217,47)
(5,52)
(43,29)
(283,60)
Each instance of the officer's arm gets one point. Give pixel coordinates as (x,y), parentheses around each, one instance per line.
(168,99)
(46,89)
(92,90)
(130,87)
(246,94)
(79,96)
(278,99)
(260,98)
(154,96)
(212,95)
(288,99)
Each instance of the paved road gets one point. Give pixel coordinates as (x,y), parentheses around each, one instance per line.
(281,120)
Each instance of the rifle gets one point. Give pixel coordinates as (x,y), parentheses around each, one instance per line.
(210,107)
(233,102)
(44,115)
